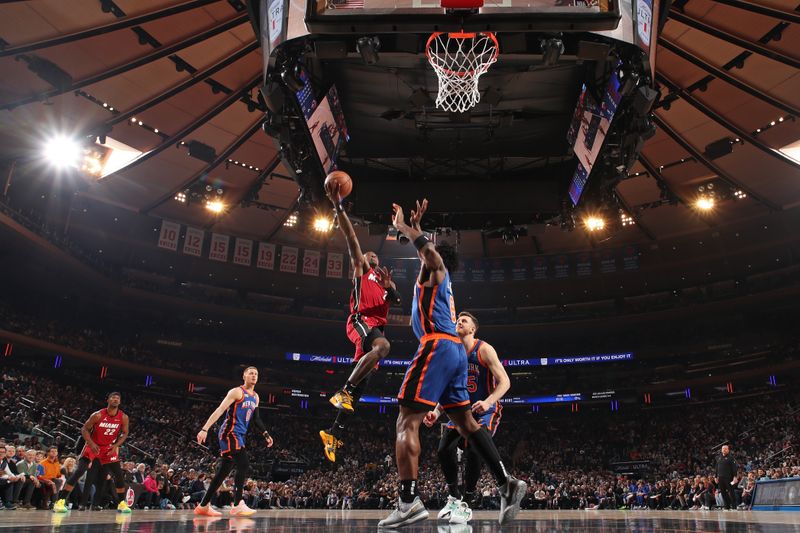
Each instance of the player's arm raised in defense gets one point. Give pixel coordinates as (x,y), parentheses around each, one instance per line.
(489,356)
(234,395)
(86,430)
(431,260)
(353,247)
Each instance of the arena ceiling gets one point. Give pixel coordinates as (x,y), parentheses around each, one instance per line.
(156,73)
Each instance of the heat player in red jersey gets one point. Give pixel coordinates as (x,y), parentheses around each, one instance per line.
(373,293)
(104,432)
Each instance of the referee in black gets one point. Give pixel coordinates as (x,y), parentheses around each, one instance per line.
(726,472)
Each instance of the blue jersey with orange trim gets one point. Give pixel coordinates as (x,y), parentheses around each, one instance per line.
(433,309)
(238,415)
(480,380)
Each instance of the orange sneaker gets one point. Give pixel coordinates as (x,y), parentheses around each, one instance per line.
(206,510)
(242,510)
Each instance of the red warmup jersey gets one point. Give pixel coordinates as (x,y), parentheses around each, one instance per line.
(368,299)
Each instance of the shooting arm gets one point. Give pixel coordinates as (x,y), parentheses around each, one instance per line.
(123,434)
(232,396)
(489,357)
(353,246)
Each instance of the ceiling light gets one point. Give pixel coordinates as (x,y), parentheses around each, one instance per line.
(740,194)
(705,203)
(594,223)
(215,206)
(133,119)
(291,221)
(322,224)
(181,197)
(62,151)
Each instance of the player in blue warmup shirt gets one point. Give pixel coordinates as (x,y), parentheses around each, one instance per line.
(438,375)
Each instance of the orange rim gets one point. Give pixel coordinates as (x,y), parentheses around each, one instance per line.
(462,35)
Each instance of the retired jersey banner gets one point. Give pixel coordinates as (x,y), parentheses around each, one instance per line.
(243,252)
(310,263)
(518,270)
(266,256)
(193,243)
(334,265)
(219,247)
(400,269)
(168,238)
(288,259)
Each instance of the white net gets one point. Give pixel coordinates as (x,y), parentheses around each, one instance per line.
(459,60)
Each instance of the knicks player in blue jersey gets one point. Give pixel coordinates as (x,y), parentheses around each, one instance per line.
(240,408)
(487,383)
(438,375)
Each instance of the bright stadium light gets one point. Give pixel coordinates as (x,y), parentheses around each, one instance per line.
(705,203)
(323,225)
(215,206)
(63,152)
(594,223)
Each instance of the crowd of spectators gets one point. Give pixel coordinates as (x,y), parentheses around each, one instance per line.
(568,461)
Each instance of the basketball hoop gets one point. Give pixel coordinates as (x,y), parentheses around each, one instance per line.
(459,60)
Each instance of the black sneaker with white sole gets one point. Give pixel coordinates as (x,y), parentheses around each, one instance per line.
(405,514)
(511,495)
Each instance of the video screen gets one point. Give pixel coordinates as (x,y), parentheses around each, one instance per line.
(325,121)
(588,130)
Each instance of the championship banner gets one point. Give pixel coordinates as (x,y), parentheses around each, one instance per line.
(539,267)
(168,238)
(497,271)
(583,264)
(243,252)
(193,243)
(400,270)
(561,266)
(333,268)
(288,259)
(608,262)
(310,263)
(266,256)
(518,270)
(219,247)
(630,258)
(476,270)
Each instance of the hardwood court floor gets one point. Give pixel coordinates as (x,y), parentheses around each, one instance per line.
(290,521)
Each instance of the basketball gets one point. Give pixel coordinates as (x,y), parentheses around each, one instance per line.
(343,180)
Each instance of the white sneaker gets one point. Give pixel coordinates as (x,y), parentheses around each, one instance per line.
(451,505)
(461,514)
(186,499)
(405,514)
(242,510)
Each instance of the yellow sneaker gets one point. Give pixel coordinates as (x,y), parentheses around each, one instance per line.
(123,507)
(342,400)
(60,506)
(330,443)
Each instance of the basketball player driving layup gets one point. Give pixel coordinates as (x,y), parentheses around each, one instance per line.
(438,375)
(373,293)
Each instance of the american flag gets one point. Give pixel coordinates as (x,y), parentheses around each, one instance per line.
(346,4)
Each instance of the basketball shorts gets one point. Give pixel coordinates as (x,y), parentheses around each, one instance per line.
(438,374)
(362,331)
(105,455)
(230,443)
(490,420)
